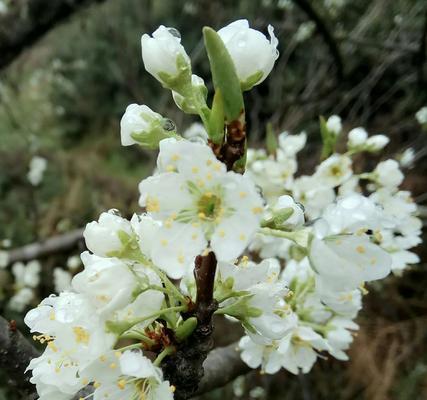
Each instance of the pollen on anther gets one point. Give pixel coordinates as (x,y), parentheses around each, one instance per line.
(121,384)
(242,236)
(360,249)
(164,242)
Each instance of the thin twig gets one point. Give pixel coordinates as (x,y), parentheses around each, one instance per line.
(56,244)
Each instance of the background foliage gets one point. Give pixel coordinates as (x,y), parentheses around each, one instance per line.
(63,100)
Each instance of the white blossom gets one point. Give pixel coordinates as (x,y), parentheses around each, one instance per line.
(21,299)
(407,158)
(357,137)
(61,280)
(138,120)
(102,236)
(377,142)
(162,53)
(108,282)
(388,174)
(334,124)
(335,170)
(252,53)
(421,115)
(38,166)
(195,198)
(27,275)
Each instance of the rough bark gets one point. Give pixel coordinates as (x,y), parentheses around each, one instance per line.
(16,352)
(28,20)
(184,369)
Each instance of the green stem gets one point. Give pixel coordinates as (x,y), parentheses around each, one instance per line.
(174,291)
(169,285)
(130,347)
(138,336)
(301,237)
(167,351)
(231,295)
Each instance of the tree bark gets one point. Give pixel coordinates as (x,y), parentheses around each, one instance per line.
(16,352)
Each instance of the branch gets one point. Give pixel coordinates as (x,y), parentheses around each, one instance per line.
(323,29)
(222,365)
(53,245)
(29,20)
(16,352)
(184,369)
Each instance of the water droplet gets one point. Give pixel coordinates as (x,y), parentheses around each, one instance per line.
(115,211)
(174,32)
(168,125)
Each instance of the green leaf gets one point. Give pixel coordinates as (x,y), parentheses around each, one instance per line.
(271,140)
(250,82)
(186,329)
(216,120)
(224,75)
(328,138)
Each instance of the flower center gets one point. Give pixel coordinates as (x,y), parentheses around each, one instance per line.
(209,206)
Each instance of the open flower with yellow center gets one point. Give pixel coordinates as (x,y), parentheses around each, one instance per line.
(127,375)
(200,204)
(343,252)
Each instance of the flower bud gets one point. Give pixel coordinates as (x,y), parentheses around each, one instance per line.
(252,53)
(164,57)
(102,237)
(142,125)
(377,142)
(388,174)
(357,137)
(334,124)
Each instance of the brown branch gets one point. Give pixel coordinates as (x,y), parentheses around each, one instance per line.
(323,29)
(184,369)
(28,20)
(16,352)
(204,273)
(56,244)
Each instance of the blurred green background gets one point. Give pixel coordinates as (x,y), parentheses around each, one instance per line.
(63,98)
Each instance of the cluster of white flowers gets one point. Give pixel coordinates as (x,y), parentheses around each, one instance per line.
(27,278)
(317,238)
(362,226)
